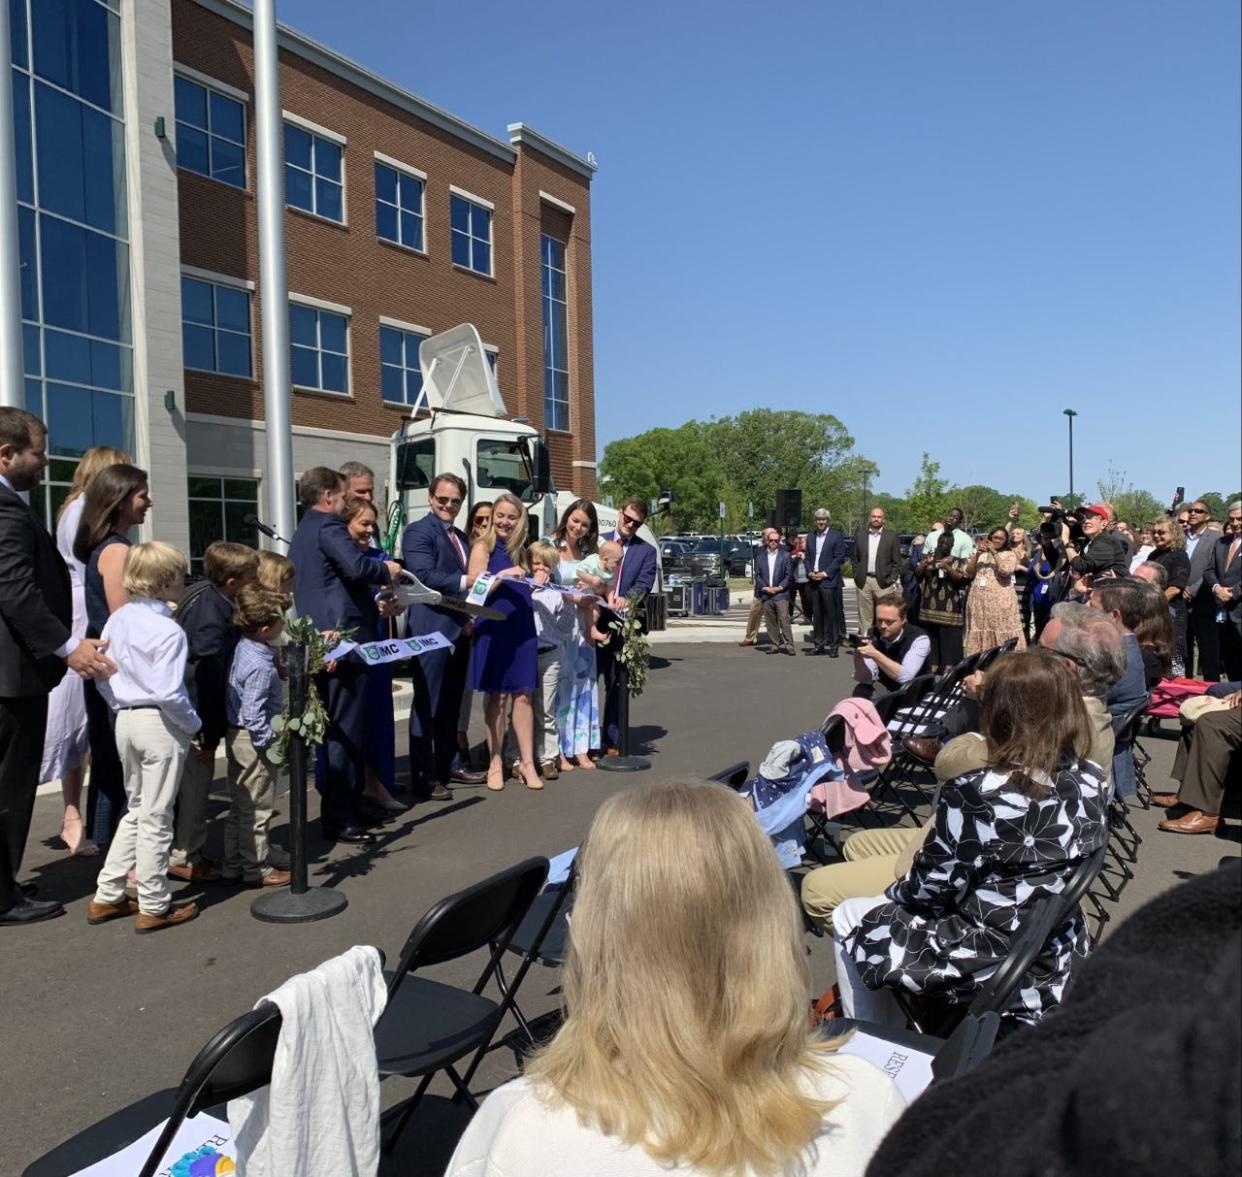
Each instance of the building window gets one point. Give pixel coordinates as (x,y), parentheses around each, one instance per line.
(211,133)
(319,347)
(69,139)
(313,176)
(401,379)
(215,327)
(472,234)
(218,507)
(555,334)
(398,207)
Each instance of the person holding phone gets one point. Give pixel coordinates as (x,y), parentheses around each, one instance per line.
(893,653)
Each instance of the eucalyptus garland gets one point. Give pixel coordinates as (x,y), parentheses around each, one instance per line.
(311,725)
(635,652)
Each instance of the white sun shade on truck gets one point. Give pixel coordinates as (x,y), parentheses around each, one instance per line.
(456,374)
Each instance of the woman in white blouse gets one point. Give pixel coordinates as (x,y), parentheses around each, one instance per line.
(65,742)
(686,1047)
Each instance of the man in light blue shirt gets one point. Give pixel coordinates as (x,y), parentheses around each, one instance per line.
(963,545)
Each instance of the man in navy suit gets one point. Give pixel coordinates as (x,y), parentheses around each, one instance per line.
(36,646)
(826,549)
(635,577)
(437,553)
(1224,581)
(332,585)
(773,578)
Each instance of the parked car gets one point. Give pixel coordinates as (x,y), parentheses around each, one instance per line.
(675,555)
(705,558)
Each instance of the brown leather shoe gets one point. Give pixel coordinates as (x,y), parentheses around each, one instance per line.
(177,913)
(194,872)
(1165,800)
(747,642)
(549,771)
(922,748)
(273,878)
(1194,822)
(101,913)
(611,751)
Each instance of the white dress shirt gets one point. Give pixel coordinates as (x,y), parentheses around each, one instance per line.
(771,568)
(149,649)
(873,546)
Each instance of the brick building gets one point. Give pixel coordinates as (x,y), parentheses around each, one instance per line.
(401,221)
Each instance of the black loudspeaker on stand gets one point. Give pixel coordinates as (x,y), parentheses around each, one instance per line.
(789,508)
(623,762)
(299,904)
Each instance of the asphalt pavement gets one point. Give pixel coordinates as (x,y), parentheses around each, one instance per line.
(96,1018)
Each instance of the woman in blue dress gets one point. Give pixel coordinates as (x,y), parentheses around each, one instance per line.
(577,711)
(117,500)
(503,663)
(361,518)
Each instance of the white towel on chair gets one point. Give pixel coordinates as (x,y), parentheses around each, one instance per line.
(321,1115)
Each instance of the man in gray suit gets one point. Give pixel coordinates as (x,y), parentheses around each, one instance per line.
(1201,624)
(1224,581)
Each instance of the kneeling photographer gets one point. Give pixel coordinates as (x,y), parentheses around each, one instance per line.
(891,653)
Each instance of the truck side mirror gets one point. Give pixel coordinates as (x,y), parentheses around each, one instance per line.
(541,473)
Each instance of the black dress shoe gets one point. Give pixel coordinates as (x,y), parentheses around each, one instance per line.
(30,911)
(440,793)
(465,776)
(833,652)
(353,834)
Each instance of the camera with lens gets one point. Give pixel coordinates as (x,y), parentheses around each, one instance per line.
(854,640)
(1050,528)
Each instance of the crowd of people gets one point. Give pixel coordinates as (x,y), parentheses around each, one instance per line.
(110,660)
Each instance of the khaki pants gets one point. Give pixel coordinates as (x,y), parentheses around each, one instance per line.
(753,618)
(870,867)
(547,741)
(190,834)
(252,797)
(867,596)
(152,751)
(776,622)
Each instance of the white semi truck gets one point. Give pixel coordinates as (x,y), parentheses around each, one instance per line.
(469,434)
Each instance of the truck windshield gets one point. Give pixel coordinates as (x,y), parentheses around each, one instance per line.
(504,464)
(416,462)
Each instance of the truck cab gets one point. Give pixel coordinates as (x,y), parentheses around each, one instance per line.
(469,434)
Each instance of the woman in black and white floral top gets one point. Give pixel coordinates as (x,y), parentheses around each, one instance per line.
(1003,836)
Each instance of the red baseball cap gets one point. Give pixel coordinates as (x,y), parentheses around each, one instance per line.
(1095,509)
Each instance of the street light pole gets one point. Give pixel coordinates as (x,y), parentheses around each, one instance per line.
(1070,414)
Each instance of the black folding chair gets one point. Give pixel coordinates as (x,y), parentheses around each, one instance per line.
(236,1060)
(904,713)
(1040,922)
(428,1026)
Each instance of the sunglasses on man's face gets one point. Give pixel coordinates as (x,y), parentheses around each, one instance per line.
(631,520)
(1198,510)
(446,501)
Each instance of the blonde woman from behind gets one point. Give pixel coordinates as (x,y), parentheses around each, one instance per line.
(685,1047)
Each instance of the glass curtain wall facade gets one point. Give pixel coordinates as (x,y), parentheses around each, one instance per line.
(73,225)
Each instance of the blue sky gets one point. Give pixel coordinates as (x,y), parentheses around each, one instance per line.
(943,221)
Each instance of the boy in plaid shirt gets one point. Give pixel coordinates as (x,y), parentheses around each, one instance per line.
(252,700)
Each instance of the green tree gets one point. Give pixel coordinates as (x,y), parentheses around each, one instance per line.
(680,460)
(928,499)
(1137,507)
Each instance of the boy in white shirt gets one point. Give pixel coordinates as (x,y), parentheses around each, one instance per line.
(554,627)
(154,722)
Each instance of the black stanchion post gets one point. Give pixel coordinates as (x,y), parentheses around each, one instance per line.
(623,762)
(301,903)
